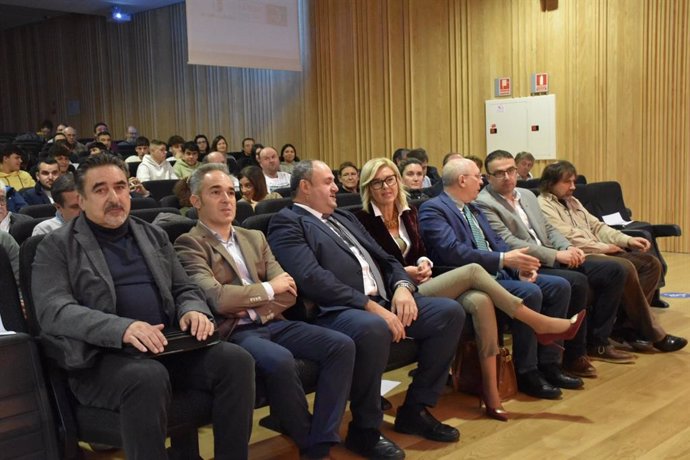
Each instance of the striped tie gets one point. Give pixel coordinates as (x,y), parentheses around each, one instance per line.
(477,233)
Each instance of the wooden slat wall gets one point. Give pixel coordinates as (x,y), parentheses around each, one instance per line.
(381,74)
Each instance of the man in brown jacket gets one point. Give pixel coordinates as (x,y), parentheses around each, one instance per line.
(247,291)
(583,230)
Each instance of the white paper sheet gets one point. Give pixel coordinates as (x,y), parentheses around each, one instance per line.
(388,385)
(615,219)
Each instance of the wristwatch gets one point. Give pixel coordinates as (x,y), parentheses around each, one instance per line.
(407,285)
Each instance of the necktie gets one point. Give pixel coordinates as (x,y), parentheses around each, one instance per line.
(351,240)
(477,233)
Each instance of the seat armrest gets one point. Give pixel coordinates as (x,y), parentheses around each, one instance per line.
(661,230)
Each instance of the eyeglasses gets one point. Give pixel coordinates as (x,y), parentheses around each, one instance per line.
(378,184)
(3,200)
(510,172)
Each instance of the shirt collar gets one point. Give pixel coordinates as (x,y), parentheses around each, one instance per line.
(312,211)
(218,236)
(377,211)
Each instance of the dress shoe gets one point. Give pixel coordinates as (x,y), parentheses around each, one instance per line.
(609,354)
(670,343)
(657,301)
(568,334)
(496,413)
(418,420)
(580,367)
(534,384)
(630,341)
(372,444)
(555,376)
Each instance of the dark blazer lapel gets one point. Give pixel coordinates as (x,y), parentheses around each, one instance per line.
(84,236)
(316,223)
(453,207)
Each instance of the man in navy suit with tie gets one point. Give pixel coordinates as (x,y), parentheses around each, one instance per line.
(456,233)
(366,294)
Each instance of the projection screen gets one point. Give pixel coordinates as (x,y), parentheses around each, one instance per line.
(260,34)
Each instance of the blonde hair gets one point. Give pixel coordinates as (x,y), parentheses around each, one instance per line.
(366,175)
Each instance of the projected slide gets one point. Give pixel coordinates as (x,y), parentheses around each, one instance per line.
(244,33)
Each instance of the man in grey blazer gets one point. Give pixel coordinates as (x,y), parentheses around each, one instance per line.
(106,282)
(515,215)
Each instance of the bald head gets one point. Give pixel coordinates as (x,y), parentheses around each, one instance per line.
(215,157)
(462,179)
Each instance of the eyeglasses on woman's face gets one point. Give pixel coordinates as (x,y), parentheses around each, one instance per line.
(377,184)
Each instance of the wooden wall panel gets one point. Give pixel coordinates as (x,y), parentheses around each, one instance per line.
(382,74)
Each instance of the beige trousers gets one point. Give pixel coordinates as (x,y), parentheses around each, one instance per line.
(477,292)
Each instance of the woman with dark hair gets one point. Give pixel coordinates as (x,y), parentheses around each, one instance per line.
(412,173)
(393,224)
(288,158)
(253,186)
(219,144)
(204,148)
(348,175)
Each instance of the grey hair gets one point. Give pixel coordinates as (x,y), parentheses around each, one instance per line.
(454,169)
(303,170)
(197,176)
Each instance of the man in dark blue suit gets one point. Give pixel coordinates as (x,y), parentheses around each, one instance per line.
(456,233)
(366,294)
(47,173)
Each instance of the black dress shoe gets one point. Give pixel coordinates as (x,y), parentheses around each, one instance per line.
(372,444)
(419,421)
(670,343)
(534,384)
(555,376)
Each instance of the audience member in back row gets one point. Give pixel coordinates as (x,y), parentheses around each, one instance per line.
(456,233)
(66,205)
(245,157)
(47,173)
(175,143)
(75,147)
(400,155)
(154,166)
(248,291)
(107,281)
(365,293)
(131,135)
(10,169)
(204,148)
(583,230)
(393,224)
(141,149)
(524,161)
(348,176)
(412,176)
(189,161)
(288,158)
(270,165)
(431,175)
(61,154)
(253,186)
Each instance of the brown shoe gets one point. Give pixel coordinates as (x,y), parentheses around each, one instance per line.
(580,367)
(609,354)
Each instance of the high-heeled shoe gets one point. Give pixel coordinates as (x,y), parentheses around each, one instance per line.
(496,413)
(568,334)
